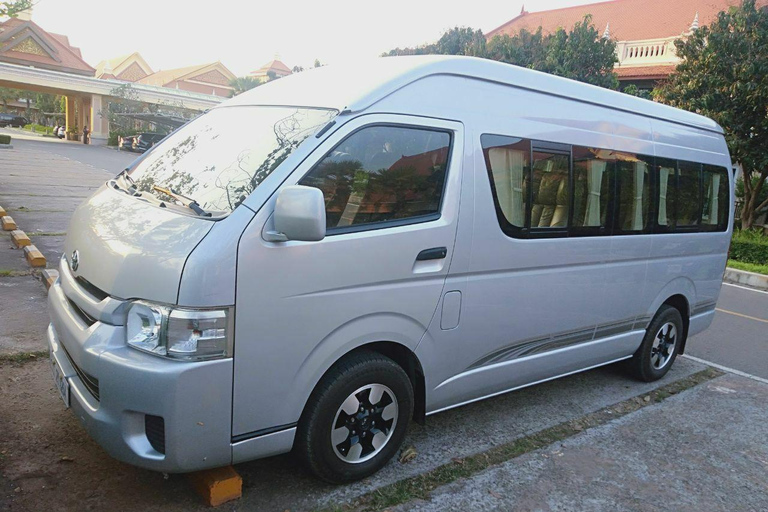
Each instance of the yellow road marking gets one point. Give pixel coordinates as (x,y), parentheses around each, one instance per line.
(743,316)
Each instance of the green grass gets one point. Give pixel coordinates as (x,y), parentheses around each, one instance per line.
(44,233)
(749,267)
(23,357)
(421,486)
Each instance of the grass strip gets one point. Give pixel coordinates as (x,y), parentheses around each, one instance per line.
(14,273)
(47,233)
(749,267)
(23,357)
(421,486)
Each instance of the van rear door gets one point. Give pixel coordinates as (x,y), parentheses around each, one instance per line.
(391,185)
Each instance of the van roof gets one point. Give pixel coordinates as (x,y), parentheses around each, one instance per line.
(356,87)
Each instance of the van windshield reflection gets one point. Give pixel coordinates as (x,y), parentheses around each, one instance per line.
(222,156)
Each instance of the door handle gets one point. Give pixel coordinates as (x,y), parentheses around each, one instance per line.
(436,253)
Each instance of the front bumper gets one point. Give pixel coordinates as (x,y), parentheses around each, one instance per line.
(113,388)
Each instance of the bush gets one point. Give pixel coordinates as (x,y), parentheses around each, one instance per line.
(749,246)
(5,139)
(38,128)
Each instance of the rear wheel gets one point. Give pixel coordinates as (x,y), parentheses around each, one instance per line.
(356,418)
(660,346)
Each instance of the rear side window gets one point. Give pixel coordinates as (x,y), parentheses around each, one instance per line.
(382,175)
(715,204)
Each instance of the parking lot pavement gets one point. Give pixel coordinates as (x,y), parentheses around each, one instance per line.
(677,455)
(40,437)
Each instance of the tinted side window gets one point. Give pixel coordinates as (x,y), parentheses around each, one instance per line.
(634,192)
(666,191)
(507,161)
(381,174)
(550,190)
(592,169)
(688,194)
(715,205)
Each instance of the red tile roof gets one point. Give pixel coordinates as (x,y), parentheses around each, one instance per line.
(644,72)
(69,57)
(275,65)
(630,20)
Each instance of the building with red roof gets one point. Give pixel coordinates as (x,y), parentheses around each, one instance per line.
(24,42)
(645,30)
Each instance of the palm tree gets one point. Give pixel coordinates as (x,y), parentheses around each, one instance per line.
(242,84)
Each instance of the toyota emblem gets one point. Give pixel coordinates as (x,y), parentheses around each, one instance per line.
(75,262)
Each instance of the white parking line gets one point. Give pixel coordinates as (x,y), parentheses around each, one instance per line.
(745,288)
(726,369)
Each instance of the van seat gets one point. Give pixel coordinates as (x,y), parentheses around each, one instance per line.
(550,207)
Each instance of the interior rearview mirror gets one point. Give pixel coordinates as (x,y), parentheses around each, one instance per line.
(299,215)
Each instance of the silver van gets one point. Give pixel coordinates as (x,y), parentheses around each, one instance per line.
(315,263)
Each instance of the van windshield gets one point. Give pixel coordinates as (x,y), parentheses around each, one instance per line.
(219,158)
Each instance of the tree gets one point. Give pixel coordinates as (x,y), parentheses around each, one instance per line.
(633,90)
(12,8)
(318,64)
(580,54)
(242,84)
(298,69)
(455,41)
(7,95)
(722,75)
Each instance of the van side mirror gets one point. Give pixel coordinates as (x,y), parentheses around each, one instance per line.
(299,215)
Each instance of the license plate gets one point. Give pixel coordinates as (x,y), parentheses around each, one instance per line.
(61,382)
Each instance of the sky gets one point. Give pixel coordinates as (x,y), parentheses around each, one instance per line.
(244,35)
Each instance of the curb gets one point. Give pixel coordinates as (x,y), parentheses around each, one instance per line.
(742,277)
(8,223)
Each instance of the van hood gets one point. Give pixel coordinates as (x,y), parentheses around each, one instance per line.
(131,249)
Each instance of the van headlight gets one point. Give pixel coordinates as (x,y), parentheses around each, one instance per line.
(179,333)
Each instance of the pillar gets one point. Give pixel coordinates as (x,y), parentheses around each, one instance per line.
(99,122)
(70,113)
(83,114)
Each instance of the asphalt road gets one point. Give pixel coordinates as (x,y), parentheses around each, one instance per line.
(738,336)
(100,157)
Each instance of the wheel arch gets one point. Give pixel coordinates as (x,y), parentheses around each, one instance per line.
(405,358)
(681,304)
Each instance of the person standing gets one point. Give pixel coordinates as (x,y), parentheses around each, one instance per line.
(86,134)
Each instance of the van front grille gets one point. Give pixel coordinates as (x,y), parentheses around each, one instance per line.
(154,426)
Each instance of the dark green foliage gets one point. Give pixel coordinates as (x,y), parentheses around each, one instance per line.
(749,246)
(580,54)
(723,76)
(5,139)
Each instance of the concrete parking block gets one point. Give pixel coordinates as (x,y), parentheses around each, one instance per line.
(49,277)
(3,213)
(34,257)
(8,223)
(218,485)
(20,238)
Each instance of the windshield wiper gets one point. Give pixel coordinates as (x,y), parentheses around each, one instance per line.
(183,200)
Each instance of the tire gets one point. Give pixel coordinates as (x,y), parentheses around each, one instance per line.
(361,447)
(660,346)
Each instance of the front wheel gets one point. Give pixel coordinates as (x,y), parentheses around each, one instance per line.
(660,346)
(356,418)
